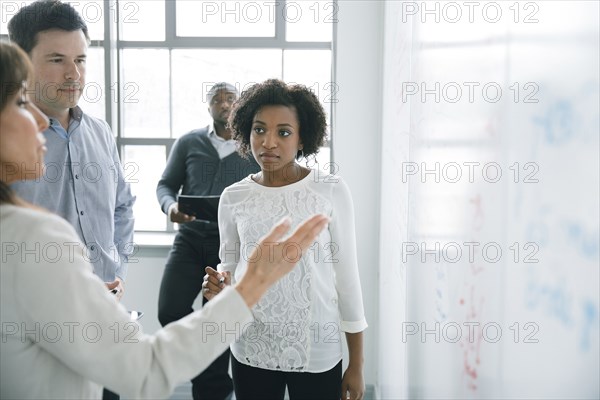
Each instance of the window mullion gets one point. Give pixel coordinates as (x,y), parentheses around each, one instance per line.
(170,21)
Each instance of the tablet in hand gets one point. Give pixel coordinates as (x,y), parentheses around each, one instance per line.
(202,207)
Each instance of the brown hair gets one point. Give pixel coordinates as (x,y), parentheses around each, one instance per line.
(15,68)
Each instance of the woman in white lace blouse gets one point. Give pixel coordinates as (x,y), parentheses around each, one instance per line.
(295,338)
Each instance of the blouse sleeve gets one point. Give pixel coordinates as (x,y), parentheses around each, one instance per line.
(229,251)
(103,345)
(345,265)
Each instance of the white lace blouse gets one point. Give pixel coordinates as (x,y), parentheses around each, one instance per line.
(297,323)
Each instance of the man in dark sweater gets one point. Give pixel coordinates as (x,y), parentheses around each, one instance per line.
(202,162)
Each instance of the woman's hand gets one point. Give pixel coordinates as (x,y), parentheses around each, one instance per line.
(273,258)
(353,383)
(214,282)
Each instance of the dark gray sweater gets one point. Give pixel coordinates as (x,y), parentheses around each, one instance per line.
(194,167)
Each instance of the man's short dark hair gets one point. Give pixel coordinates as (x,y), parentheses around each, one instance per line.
(40,16)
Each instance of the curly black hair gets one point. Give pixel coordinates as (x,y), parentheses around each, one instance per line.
(311,115)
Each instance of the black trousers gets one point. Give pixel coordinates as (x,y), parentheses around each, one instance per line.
(108,395)
(253,383)
(181,283)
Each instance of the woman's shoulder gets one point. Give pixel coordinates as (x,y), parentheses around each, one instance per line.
(323,176)
(238,191)
(326,183)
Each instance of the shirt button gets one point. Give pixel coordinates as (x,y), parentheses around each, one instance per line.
(334,301)
(76,176)
(81,212)
(92,248)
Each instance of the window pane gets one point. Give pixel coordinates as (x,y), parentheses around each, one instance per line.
(145,93)
(322,162)
(242,18)
(313,69)
(8,9)
(93,98)
(195,71)
(91,11)
(142,20)
(143,166)
(310,21)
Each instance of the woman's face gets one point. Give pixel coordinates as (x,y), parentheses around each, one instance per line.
(275,137)
(21,141)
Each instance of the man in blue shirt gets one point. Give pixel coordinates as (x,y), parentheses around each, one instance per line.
(83,180)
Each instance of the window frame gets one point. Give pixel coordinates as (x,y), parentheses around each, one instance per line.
(113,47)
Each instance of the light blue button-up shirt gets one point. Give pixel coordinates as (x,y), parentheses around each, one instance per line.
(83,182)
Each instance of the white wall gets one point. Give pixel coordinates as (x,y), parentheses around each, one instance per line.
(357,143)
(392,351)
(141,288)
(143,284)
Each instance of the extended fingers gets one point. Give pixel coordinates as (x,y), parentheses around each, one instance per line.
(306,233)
(277,231)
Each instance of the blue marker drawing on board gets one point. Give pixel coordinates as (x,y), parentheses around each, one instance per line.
(590,323)
(584,241)
(554,300)
(557,123)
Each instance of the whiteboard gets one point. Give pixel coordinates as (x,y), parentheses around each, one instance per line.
(496,180)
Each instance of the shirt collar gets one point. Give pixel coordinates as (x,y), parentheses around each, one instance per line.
(76,113)
(212,133)
(211,130)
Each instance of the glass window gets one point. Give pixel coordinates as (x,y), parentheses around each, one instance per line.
(241,18)
(145,93)
(143,166)
(162,87)
(313,69)
(92,100)
(92,12)
(309,21)
(142,20)
(195,71)
(8,9)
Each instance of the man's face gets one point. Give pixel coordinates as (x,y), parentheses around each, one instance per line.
(220,105)
(58,59)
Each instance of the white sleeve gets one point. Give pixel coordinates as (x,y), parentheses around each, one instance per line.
(105,346)
(229,250)
(345,265)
